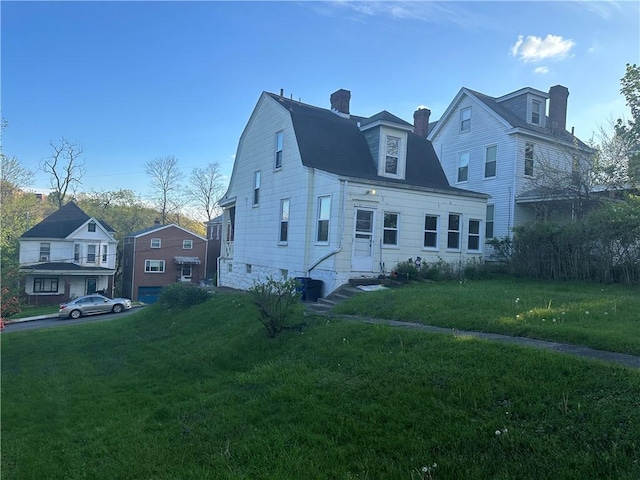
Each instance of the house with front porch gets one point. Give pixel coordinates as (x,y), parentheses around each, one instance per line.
(324,194)
(67,255)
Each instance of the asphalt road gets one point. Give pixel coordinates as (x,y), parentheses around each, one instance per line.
(59,322)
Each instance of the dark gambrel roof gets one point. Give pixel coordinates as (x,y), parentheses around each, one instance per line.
(333,143)
(517,122)
(61,223)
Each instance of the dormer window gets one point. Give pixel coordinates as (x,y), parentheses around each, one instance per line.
(535,112)
(465,119)
(391,158)
(92,226)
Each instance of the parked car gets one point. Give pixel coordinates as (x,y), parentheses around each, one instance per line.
(93,304)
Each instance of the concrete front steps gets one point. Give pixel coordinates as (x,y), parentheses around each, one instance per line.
(324,305)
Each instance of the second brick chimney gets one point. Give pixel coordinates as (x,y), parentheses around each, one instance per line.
(340,101)
(558,96)
(421,121)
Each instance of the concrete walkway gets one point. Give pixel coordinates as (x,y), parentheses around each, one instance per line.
(624,359)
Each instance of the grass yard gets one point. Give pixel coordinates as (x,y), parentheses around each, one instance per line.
(605,317)
(204,394)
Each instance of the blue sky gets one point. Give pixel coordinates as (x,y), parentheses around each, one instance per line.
(133,81)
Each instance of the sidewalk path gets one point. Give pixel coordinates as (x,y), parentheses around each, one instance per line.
(624,359)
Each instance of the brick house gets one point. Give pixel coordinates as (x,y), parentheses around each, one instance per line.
(161,255)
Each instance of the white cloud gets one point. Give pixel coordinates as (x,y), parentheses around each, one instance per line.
(541,70)
(536,49)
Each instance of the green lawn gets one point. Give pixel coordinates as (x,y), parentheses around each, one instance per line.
(605,317)
(206,395)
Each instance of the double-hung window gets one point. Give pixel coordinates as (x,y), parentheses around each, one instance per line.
(187,244)
(154,266)
(463,166)
(156,242)
(391,155)
(279,145)
(92,226)
(256,188)
(91,254)
(490,157)
(453,232)
(430,231)
(283,236)
(45,251)
(473,239)
(324,212)
(105,250)
(535,112)
(465,119)
(390,229)
(528,159)
(76,252)
(488,226)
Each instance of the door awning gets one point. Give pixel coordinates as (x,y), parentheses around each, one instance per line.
(187,260)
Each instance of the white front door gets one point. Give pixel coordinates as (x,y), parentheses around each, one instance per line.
(362,259)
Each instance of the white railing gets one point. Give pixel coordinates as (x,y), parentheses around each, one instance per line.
(228,250)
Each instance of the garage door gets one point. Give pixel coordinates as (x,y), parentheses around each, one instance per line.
(148,294)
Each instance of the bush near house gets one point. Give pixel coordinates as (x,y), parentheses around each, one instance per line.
(278,303)
(181,295)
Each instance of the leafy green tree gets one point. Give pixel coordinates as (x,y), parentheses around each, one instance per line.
(630,130)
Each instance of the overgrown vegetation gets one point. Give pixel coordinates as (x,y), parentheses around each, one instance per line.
(152,395)
(278,303)
(472,269)
(181,295)
(603,246)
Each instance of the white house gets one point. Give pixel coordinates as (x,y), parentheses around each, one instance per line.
(67,255)
(510,148)
(327,195)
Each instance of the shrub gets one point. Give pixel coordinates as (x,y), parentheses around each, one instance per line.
(277,301)
(407,271)
(181,295)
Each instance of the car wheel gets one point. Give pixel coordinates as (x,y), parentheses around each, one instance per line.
(75,314)
(117,308)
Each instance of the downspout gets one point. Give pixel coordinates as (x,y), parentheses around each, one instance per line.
(133,267)
(343,185)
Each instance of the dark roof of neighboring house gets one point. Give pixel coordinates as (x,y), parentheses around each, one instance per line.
(516,122)
(63,266)
(333,143)
(61,223)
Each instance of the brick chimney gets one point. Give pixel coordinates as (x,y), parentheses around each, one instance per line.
(340,101)
(421,121)
(558,108)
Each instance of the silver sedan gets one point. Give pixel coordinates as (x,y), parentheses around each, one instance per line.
(93,304)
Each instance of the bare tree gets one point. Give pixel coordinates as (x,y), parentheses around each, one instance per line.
(166,178)
(206,188)
(65,167)
(611,162)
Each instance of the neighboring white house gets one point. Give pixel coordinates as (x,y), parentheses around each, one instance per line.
(504,146)
(323,194)
(68,254)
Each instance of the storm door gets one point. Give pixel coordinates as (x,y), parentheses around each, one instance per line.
(362,259)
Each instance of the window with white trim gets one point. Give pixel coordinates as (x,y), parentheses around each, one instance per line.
(256,188)
(279,145)
(488,226)
(473,238)
(392,152)
(91,253)
(430,231)
(45,251)
(463,167)
(45,285)
(283,235)
(528,159)
(324,212)
(76,252)
(105,251)
(453,232)
(490,160)
(535,112)
(156,242)
(154,266)
(187,244)
(465,119)
(390,229)
(186,270)
(92,226)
